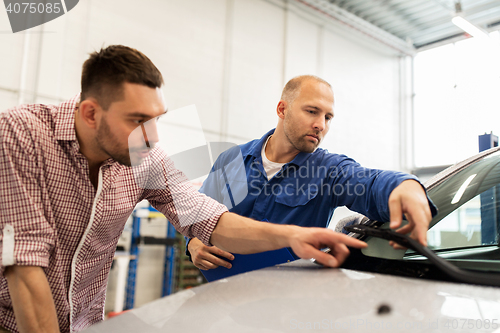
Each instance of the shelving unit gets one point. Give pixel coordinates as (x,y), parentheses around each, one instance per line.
(188,275)
(170,241)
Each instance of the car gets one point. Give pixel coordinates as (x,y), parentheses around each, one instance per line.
(376,289)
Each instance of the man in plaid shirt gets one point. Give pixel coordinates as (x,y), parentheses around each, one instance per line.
(71,175)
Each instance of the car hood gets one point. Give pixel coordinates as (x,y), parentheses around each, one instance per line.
(305,296)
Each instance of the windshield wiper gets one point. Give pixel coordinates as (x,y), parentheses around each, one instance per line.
(446,267)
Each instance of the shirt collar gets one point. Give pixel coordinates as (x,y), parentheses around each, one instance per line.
(65,120)
(301,158)
(256,148)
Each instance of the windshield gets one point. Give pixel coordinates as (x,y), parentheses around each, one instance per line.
(469,207)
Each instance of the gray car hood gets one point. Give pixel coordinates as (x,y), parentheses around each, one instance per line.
(302,296)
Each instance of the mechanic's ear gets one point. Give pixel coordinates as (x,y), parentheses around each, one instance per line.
(280,109)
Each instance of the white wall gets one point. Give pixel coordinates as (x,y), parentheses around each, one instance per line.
(230,58)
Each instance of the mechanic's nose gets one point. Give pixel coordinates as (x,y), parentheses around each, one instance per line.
(319,124)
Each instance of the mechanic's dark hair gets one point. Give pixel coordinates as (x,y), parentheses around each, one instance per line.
(105,72)
(292,87)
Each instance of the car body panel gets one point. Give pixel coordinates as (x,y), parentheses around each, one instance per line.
(305,296)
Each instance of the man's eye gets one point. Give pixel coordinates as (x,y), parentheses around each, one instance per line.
(138,122)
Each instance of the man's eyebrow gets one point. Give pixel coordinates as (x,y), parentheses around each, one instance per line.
(317,109)
(144,115)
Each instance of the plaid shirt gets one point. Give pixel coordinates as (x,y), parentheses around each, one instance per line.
(52,216)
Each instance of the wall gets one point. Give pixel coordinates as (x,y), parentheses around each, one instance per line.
(230,58)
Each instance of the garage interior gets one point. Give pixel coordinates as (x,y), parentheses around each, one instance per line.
(413,91)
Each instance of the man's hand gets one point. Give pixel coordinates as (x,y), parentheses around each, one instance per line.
(204,257)
(242,235)
(409,198)
(307,242)
(31,299)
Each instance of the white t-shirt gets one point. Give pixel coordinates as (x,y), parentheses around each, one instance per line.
(270,167)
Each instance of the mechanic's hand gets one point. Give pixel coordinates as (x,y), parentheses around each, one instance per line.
(204,257)
(307,242)
(409,198)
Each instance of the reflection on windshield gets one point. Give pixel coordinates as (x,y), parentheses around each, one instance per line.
(461,227)
(462,189)
(469,207)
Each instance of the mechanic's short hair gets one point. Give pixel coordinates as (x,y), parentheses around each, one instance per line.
(292,88)
(105,72)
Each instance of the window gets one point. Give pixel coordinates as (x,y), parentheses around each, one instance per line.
(469,207)
(456,99)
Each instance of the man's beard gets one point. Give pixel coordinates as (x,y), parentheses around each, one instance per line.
(110,145)
(298,141)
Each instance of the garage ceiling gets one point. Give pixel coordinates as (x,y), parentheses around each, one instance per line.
(423,23)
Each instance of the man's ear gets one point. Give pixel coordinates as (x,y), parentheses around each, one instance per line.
(280,109)
(88,110)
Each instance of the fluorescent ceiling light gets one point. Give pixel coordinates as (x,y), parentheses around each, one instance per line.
(462,188)
(468,27)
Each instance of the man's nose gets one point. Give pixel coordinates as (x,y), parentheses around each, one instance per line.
(150,132)
(319,124)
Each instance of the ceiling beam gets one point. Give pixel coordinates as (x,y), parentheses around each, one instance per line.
(358,24)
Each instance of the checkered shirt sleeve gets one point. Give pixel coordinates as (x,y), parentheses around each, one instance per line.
(21,199)
(192,213)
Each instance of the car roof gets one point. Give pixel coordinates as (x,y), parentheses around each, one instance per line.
(450,171)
